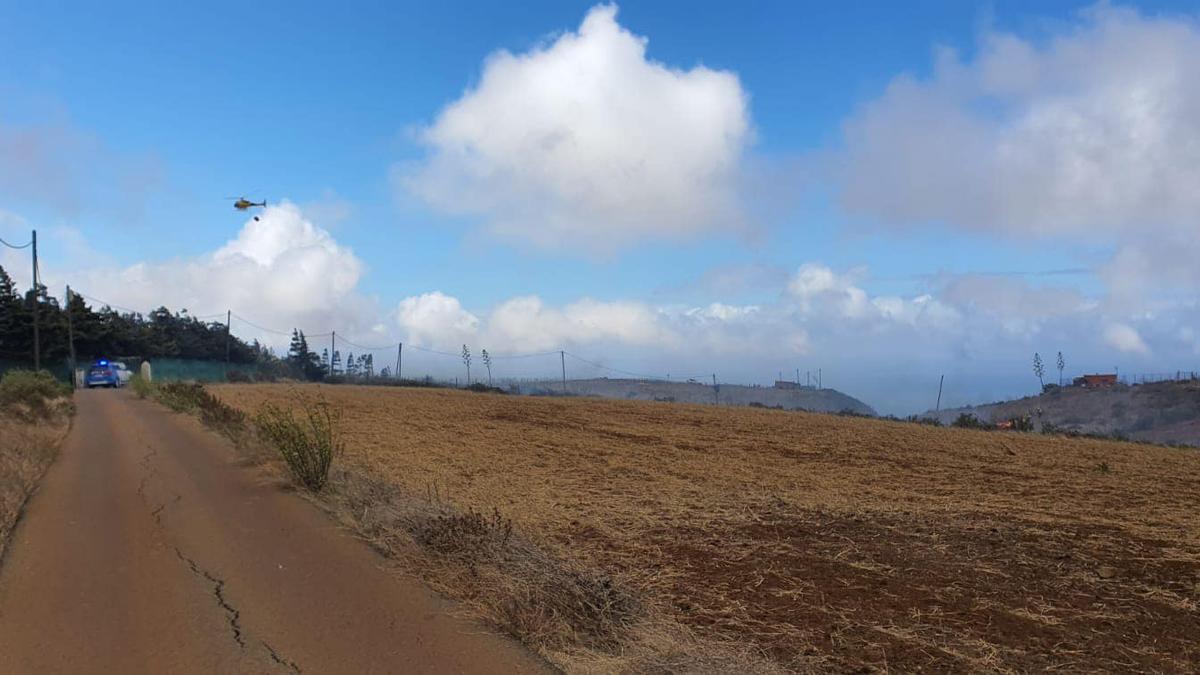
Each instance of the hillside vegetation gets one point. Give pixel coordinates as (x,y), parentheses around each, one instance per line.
(1162,412)
(816,400)
(626,535)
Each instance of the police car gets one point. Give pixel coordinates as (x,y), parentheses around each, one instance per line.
(102,374)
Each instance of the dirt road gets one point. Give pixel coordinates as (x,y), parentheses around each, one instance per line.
(150,549)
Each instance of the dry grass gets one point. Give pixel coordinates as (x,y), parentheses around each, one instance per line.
(27,447)
(759,539)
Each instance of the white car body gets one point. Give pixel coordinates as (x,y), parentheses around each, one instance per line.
(123,374)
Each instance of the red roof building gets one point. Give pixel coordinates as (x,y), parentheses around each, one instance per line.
(1097,381)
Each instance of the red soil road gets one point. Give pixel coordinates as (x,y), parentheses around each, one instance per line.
(149,549)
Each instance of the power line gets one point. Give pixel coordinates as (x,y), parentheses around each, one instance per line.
(14,246)
(434,351)
(504,357)
(105,303)
(262,328)
(498,357)
(370,349)
(611,369)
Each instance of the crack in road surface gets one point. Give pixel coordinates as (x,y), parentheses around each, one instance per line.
(275,656)
(157,512)
(231,612)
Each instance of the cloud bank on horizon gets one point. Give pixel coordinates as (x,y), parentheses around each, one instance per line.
(1088,138)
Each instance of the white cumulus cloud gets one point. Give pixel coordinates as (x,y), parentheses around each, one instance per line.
(1091,135)
(586,144)
(1125,338)
(281,271)
(436,320)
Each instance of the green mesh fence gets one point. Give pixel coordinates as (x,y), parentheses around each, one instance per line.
(175,370)
(61,370)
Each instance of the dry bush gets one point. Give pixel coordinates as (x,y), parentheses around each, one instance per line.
(194,398)
(32,396)
(308,443)
(27,447)
(546,601)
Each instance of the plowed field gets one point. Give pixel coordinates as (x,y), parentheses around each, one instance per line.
(822,542)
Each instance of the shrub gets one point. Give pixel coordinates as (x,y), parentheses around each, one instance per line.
(969,421)
(141,386)
(850,412)
(472,533)
(180,396)
(192,397)
(1021,423)
(308,444)
(238,376)
(31,394)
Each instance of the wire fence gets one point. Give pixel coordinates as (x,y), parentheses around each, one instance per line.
(1151,378)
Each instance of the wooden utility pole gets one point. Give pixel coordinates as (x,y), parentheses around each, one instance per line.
(562,357)
(938,407)
(716,390)
(399,359)
(71,337)
(37,343)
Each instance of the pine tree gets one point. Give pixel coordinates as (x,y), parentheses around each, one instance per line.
(351,365)
(297,350)
(1039,369)
(1061,364)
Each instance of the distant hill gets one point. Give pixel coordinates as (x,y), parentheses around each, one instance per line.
(817,400)
(1162,412)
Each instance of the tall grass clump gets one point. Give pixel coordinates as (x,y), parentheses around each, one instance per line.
(141,386)
(308,442)
(31,394)
(191,397)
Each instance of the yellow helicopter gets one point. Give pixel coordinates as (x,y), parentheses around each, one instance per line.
(242,204)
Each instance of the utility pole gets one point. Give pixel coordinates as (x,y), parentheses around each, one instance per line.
(71,337)
(819,379)
(938,407)
(37,343)
(716,390)
(562,357)
(797,377)
(399,359)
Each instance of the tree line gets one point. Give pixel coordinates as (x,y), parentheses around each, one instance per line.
(106,332)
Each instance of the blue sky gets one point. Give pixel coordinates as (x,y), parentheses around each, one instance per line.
(128,125)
